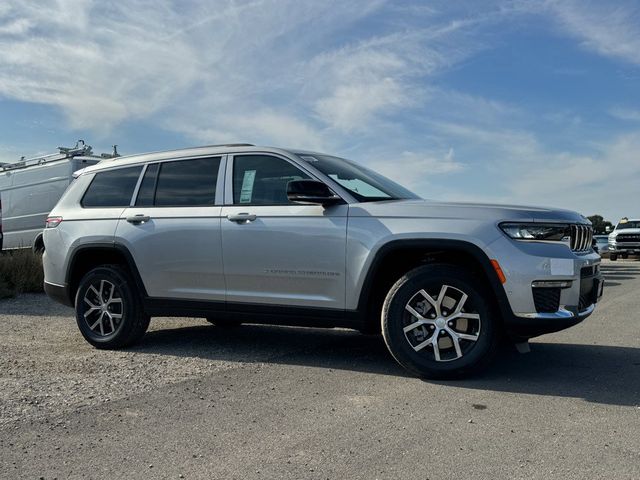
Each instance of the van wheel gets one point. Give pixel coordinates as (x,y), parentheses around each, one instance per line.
(613,257)
(437,323)
(223,322)
(108,310)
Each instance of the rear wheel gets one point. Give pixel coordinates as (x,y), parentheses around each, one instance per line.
(108,309)
(613,257)
(437,323)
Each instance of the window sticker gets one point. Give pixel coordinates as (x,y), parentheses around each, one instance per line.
(247,186)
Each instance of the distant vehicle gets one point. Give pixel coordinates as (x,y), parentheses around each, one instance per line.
(625,239)
(601,244)
(30,188)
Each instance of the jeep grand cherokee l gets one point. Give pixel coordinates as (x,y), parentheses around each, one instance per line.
(242,233)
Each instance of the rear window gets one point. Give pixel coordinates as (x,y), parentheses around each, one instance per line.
(113,188)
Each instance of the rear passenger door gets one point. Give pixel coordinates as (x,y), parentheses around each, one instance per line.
(173,229)
(277,252)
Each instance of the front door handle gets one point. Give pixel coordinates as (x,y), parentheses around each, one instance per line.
(140,218)
(241,217)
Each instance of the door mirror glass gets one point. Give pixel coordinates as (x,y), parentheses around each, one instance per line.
(311,192)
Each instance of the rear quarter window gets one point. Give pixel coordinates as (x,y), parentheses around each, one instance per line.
(113,188)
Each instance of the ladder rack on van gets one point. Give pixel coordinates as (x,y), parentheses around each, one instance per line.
(81,149)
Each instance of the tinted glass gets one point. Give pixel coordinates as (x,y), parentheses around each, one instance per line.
(262,180)
(148,186)
(187,182)
(113,188)
(364,184)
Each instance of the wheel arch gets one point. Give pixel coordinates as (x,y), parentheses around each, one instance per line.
(38,243)
(87,256)
(396,257)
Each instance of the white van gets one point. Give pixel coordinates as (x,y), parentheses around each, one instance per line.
(29,189)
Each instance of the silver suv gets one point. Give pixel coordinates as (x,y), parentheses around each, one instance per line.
(238,233)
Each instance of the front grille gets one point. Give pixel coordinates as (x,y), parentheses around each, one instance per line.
(546,300)
(581,237)
(628,237)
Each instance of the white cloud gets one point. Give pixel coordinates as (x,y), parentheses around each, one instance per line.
(416,169)
(306,74)
(260,127)
(611,29)
(528,172)
(624,113)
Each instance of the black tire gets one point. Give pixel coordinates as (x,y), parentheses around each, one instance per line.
(223,322)
(133,322)
(486,328)
(613,257)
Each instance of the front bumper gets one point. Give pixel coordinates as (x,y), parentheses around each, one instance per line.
(536,324)
(526,264)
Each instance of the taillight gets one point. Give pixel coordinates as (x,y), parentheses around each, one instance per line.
(52,222)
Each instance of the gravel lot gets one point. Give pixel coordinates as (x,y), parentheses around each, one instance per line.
(196,401)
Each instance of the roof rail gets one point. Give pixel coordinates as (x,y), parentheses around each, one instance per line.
(79,149)
(233,145)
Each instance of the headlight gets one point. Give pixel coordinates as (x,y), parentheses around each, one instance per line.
(536,231)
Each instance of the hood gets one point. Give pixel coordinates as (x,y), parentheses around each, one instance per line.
(462,210)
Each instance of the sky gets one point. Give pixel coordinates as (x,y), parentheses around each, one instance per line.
(527,102)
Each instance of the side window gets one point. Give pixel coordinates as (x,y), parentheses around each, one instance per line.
(262,180)
(112,188)
(147,190)
(187,183)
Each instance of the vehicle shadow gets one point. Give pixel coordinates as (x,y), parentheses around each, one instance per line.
(596,373)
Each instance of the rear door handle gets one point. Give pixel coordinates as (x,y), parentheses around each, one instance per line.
(241,217)
(140,218)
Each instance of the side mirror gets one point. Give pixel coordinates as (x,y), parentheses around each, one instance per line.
(311,192)
(607,229)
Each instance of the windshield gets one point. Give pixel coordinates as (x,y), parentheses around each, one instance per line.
(364,184)
(631,224)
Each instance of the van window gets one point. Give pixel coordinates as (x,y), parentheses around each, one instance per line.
(113,188)
(187,183)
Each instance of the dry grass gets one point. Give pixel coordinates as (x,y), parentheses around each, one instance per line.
(20,272)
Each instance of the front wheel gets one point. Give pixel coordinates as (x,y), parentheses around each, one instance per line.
(437,323)
(613,257)
(108,310)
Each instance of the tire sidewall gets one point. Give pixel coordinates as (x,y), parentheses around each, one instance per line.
(422,363)
(120,281)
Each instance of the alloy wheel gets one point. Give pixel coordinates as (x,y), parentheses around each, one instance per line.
(441,323)
(103,308)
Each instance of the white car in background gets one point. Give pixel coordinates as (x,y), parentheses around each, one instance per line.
(625,239)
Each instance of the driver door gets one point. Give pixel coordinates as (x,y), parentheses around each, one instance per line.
(276,252)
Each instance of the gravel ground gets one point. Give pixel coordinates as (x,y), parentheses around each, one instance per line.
(197,401)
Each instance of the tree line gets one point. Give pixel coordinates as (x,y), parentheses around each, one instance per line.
(600,224)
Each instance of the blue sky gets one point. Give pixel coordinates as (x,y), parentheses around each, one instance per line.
(534,102)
